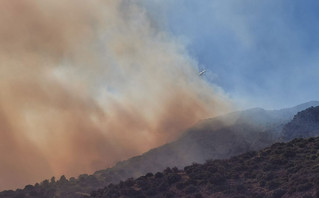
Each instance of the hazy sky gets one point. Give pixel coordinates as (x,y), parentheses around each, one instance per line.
(262,53)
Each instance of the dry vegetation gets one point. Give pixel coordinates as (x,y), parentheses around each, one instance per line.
(282,170)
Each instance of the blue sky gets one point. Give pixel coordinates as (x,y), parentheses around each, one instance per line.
(261,53)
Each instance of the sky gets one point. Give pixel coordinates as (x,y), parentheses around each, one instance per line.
(261,53)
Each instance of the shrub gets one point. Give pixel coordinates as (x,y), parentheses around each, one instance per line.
(278,193)
(289,153)
(169,194)
(241,188)
(191,189)
(304,187)
(212,169)
(201,175)
(181,185)
(173,178)
(168,170)
(28,187)
(149,175)
(217,179)
(262,183)
(159,175)
(273,185)
(175,169)
(143,184)
(198,195)
(163,186)
(151,192)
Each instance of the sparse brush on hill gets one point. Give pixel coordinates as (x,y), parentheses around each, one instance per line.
(282,170)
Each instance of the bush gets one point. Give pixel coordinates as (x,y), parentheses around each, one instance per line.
(159,175)
(168,170)
(181,185)
(212,169)
(241,188)
(169,194)
(163,186)
(131,192)
(144,184)
(191,189)
(175,169)
(289,153)
(28,187)
(173,178)
(273,185)
(278,193)
(149,175)
(304,187)
(198,195)
(151,191)
(217,179)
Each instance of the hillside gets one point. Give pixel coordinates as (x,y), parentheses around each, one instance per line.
(304,124)
(215,138)
(282,170)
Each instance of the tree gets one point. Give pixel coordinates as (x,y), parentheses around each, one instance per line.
(52,181)
(63,180)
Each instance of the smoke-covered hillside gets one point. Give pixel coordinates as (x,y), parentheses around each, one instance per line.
(215,138)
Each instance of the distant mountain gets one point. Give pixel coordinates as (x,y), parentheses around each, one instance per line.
(304,124)
(215,138)
(282,170)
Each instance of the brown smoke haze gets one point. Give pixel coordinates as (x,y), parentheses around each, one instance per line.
(84,84)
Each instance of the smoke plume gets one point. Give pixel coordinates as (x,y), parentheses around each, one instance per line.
(85,84)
